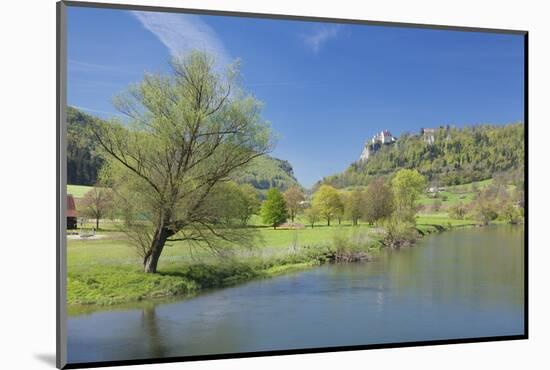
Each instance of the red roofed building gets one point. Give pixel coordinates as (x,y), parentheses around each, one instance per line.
(71,213)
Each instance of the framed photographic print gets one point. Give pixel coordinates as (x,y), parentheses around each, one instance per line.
(235,184)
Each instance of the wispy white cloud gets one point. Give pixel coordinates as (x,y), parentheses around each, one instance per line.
(316,39)
(182,33)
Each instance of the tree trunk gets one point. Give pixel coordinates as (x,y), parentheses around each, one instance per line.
(328,221)
(151,259)
(97,223)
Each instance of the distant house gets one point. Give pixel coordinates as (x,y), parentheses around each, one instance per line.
(71,213)
(436,189)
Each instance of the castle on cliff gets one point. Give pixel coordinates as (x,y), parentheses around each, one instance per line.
(386,138)
(373,145)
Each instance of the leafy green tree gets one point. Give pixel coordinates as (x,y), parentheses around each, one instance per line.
(294,197)
(407,185)
(234,203)
(494,201)
(328,202)
(312,215)
(457,211)
(186,133)
(378,201)
(511,213)
(354,205)
(274,211)
(485,212)
(250,202)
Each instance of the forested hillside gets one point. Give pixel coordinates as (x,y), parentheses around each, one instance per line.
(267,172)
(457,156)
(83,162)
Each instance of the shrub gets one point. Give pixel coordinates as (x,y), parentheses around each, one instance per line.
(436,205)
(457,211)
(485,213)
(399,233)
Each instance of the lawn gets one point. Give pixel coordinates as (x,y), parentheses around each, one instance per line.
(447,198)
(442,219)
(455,194)
(116,249)
(78,191)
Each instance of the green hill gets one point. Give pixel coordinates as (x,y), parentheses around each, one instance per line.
(266,172)
(452,156)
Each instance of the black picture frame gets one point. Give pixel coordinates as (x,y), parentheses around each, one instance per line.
(61,175)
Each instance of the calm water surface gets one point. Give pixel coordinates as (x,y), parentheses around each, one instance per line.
(460,284)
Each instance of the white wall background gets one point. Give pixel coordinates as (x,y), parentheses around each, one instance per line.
(27,169)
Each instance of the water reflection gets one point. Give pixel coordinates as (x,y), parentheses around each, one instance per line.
(152,332)
(467,283)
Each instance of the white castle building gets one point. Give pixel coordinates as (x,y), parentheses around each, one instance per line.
(374,144)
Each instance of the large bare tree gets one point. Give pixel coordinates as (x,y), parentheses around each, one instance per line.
(97,203)
(187,131)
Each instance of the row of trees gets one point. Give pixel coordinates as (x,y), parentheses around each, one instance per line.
(493,202)
(379,201)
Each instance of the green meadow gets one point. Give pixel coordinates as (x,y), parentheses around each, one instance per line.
(78,191)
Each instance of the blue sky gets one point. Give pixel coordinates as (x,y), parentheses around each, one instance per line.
(327,88)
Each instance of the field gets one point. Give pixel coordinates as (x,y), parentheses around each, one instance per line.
(78,191)
(454,194)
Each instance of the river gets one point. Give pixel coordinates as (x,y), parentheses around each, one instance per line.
(460,284)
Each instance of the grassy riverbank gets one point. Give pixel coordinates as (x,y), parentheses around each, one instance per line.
(106,285)
(107,271)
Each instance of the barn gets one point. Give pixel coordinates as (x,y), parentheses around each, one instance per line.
(71,213)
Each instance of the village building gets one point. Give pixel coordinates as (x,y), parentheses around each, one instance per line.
(71,213)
